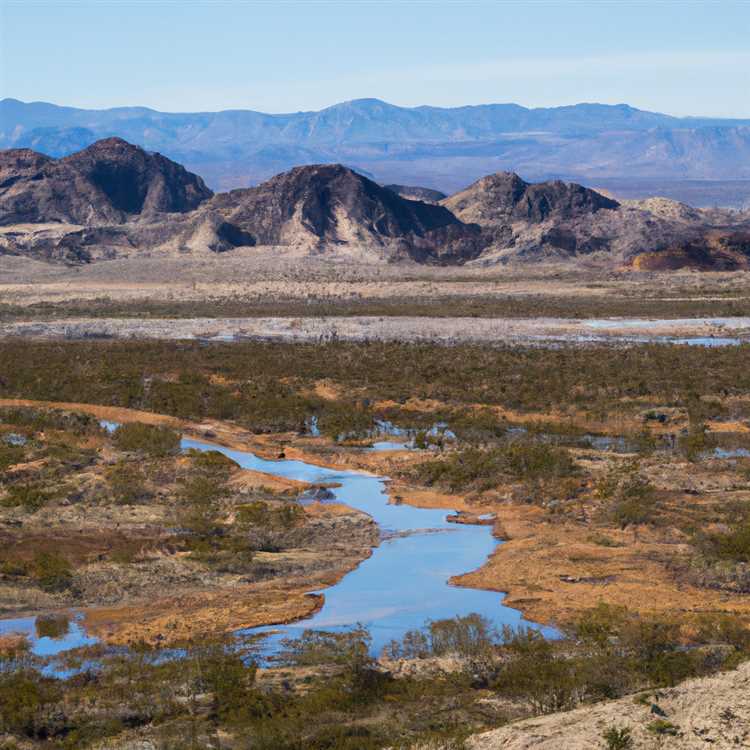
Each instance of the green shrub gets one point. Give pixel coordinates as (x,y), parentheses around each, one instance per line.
(345,421)
(10,454)
(325,647)
(30,496)
(145,438)
(470,635)
(221,670)
(15,568)
(697,441)
(199,504)
(52,572)
(51,626)
(213,462)
(414,644)
(261,515)
(618,738)
(128,483)
(634,502)
(535,672)
(663,727)
(24,696)
(732,545)
(483,469)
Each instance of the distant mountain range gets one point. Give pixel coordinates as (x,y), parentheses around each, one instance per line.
(617,147)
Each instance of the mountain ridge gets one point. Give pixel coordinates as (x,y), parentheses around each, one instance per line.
(443,148)
(113,199)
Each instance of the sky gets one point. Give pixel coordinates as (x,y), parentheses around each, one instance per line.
(680,57)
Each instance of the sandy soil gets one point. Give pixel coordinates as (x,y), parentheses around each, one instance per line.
(707,712)
(278,273)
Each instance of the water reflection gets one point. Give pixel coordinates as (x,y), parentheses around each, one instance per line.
(48,635)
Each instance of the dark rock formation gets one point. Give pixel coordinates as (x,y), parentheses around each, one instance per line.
(114,199)
(331,205)
(523,221)
(504,198)
(109,182)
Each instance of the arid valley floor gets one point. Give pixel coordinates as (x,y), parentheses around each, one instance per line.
(597,420)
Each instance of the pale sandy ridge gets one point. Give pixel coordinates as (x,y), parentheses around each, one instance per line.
(707,712)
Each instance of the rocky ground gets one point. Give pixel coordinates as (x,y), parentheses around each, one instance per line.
(709,712)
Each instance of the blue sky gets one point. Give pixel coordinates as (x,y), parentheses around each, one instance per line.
(676,57)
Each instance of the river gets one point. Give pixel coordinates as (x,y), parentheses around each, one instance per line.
(403,584)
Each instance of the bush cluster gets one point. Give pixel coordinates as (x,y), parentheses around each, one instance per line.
(482,469)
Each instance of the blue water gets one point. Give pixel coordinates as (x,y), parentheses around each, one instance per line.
(75,636)
(730,453)
(403,584)
(405,581)
(390,445)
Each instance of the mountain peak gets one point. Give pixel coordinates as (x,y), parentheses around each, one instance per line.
(104,183)
(322,205)
(505,197)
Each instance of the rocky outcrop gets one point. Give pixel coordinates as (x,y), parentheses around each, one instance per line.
(504,198)
(523,221)
(110,182)
(114,199)
(329,205)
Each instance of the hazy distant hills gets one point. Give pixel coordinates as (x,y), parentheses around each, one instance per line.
(445,149)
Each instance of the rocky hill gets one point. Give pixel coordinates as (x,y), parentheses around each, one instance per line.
(110,182)
(505,198)
(524,221)
(329,205)
(114,199)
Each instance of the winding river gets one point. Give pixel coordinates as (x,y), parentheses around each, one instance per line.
(403,584)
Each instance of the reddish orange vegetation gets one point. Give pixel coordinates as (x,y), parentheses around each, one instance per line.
(110,413)
(554,571)
(171,620)
(12,643)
